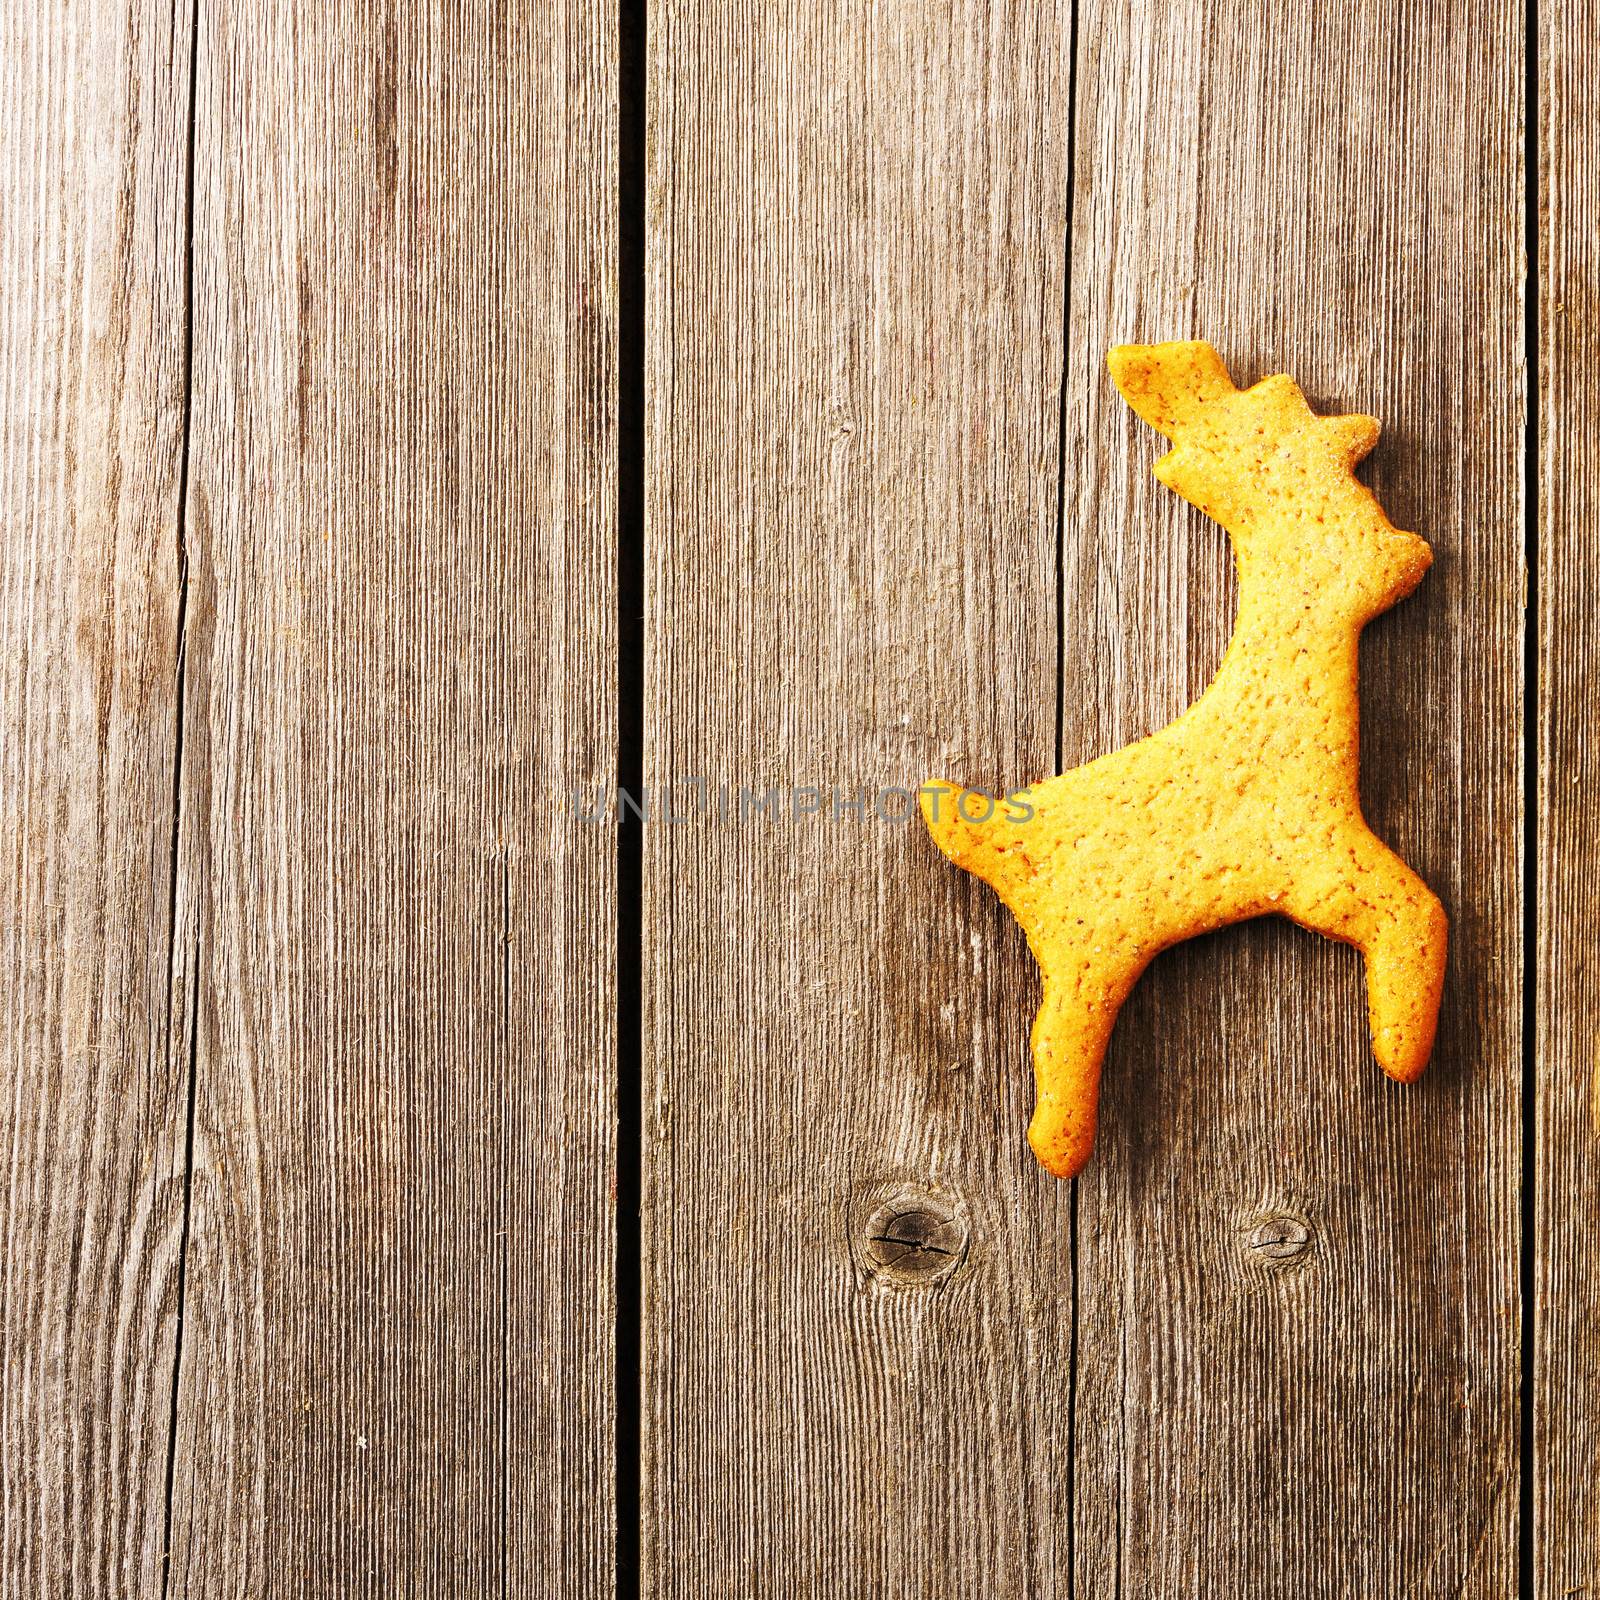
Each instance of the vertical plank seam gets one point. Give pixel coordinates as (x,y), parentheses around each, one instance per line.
(1061,708)
(504,1508)
(1531,725)
(632,38)
(183,1275)
(181,667)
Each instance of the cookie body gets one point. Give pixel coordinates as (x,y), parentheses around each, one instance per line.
(1248,804)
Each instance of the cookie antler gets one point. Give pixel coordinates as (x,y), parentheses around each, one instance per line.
(1277,476)
(1247,805)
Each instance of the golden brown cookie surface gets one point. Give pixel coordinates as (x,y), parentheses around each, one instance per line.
(1247,805)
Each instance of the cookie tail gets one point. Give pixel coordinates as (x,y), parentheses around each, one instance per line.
(964,824)
(1168,384)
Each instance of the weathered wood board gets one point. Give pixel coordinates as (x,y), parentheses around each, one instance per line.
(853,581)
(854,327)
(94,1061)
(396,1371)
(1566,1279)
(1339,198)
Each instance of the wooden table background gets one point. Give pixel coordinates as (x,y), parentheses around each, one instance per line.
(411,1188)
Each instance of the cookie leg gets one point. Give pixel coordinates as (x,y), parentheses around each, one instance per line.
(1380,905)
(1070,1035)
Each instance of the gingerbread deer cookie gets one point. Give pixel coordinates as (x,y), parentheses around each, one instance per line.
(1247,805)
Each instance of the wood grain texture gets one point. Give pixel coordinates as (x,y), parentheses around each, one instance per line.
(296,697)
(853,363)
(1296,1345)
(1338,197)
(93,1064)
(1566,1305)
(397,1371)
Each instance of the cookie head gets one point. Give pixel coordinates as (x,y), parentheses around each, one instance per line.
(1276,475)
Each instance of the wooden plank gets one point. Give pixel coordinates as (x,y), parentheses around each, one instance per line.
(397,1369)
(855,280)
(1337,197)
(94,104)
(1566,1396)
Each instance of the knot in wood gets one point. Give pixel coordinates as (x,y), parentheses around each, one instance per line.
(1279,1239)
(914,1239)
